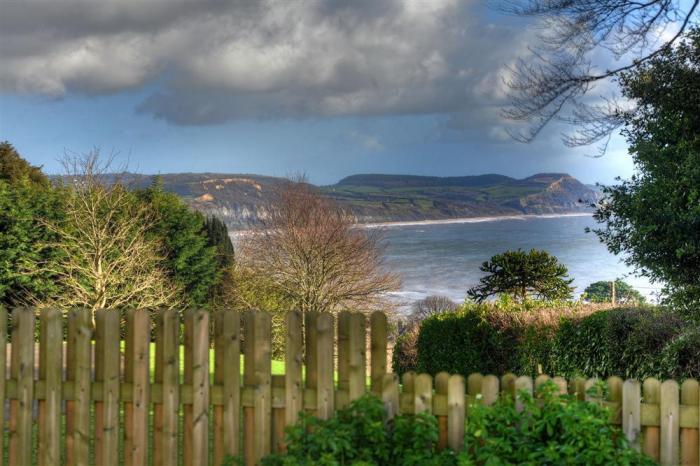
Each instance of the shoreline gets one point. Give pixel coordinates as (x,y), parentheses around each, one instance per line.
(448,221)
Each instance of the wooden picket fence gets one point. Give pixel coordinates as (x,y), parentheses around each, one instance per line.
(97,403)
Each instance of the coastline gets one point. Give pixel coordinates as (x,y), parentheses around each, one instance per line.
(447,221)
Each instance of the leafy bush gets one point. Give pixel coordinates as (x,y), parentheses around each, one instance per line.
(681,357)
(358,435)
(579,347)
(405,354)
(555,429)
(463,343)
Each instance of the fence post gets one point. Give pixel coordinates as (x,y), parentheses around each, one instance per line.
(651,390)
(357,364)
(423,394)
(669,410)
(227,374)
(690,442)
(3,376)
(325,390)
(378,347)
(455,412)
(632,412)
(22,371)
(107,373)
(293,359)
(51,373)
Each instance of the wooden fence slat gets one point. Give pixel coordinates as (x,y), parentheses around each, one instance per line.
(442,380)
(615,397)
(107,373)
(474,382)
(137,350)
(423,394)
(378,348)
(560,382)
(200,387)
(390,395)
(263,388)
(407,403)
(278,418)
(168,375)
(343,358)
(82,363)
(51,373)
(293,361)
(651,391)
(22,371)
(227,374)
(357,363)
(489,389)
(3,376)
(577,388)
(690,442)
(522,384)
(670,415)
(541,380)
(311,352)
(455,412)
(508,384)
(632,412)
(325,390)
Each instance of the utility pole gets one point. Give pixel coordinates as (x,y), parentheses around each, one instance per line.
(612,292)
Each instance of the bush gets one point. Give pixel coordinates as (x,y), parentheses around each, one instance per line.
(463,343)
(359,435)
(405,355)
(555,429)
(681,357)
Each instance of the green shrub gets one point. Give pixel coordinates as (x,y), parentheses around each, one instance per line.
(463,343)
(358,435)
(555,429)
(405,354)
(681,357)
(579,347)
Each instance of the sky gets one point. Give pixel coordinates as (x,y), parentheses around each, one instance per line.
(327,88)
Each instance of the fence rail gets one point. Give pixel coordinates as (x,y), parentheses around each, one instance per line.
(99,404)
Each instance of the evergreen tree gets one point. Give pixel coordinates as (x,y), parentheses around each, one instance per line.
(218,237)
(13,168)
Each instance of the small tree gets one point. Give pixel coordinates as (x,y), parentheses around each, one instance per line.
(601,292)
(308,250)
(522,275)
(108,260)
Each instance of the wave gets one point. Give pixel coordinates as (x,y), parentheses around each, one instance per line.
(469,220)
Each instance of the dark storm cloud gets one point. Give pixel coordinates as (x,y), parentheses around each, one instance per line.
(213,62)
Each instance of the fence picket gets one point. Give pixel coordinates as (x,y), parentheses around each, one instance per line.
(390,395)
(522,384)
(508,384)
(442,380)
(311,356)
(455,413)
(200,387)
(632,412)
(325,390)
(227,374)
(3,376)
(357,364)
(690,443)
(22,371)
(165,450)
(343,358)
(51,374)
(407,403)
(423,394)
(670,415)
(489,389)
(107,374)
(560,382)
(378,348)
(294,356)
(137,350)
(651,390)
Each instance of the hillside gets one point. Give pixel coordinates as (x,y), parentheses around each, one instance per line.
(239,199)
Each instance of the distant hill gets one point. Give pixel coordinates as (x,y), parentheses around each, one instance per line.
(239,199)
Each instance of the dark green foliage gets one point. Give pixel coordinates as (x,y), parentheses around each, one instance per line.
(404,357)
(190,259)
(522,275)
(555,429)
(601,292)
(14,169)
(358,435)
(463,343)
(25,199)
(625,342)
(681,357)
(218,237)
(654,217)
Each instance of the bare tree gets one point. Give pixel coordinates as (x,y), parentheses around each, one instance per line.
(555,83)
(430,306)
(308,249)
(107,259)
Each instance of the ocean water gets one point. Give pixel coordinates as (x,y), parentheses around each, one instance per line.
(444,258)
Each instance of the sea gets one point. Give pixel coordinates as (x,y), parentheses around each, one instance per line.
(443,257)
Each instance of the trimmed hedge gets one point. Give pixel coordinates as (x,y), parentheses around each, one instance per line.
(628,342)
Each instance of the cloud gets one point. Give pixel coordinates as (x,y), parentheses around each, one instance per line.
(212,62)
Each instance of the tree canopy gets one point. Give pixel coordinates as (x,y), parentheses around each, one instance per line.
(654,217)
(601,292)
(523,275)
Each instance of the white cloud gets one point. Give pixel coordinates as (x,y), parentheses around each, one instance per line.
(218,61)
